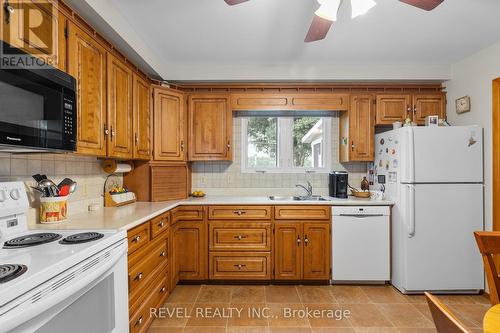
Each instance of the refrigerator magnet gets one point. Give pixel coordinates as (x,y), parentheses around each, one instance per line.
(394,164)
(393,177)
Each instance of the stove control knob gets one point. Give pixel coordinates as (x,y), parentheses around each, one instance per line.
(14,194)
(3,197)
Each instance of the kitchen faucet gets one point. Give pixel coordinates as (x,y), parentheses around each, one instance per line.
(308,189)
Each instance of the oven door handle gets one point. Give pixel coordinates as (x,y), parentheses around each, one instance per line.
(30,307)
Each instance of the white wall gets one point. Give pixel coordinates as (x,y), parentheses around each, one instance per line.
(473,76)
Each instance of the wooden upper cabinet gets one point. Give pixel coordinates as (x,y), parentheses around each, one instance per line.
(31,26)
(210,128)
(357,130)
(87,63)
(288,251)
(391,108)
(316,251)
(428,105)
(142,118)
(305,101)
(120,143)
(169,125)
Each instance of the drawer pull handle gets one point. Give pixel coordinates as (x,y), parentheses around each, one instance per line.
(163,254)
(162,290)
(138,277)
(240,212)
(161,224)
(240,237)
(136,239)
(298,240)
(139,322)
(240,266)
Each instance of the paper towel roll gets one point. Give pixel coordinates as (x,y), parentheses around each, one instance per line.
(111,166)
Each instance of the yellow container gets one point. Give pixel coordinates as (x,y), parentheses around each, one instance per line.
(53,209)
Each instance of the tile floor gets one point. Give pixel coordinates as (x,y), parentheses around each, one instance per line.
(373,309)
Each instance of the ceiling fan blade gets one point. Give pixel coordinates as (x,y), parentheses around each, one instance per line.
(234,2)
(424,4)
(318,29)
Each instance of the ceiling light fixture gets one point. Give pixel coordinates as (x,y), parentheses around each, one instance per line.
(361,7)
(329,8)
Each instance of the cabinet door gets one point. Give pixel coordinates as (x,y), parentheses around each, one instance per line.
(362,128)
(428,105)
(120,142)
(142,120)
(210,128)
(288,251)
(317,248)
(169,125)
(87,63)
(190,250)
(32,26)
(391,108)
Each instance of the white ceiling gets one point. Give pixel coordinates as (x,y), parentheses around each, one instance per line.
(263,39)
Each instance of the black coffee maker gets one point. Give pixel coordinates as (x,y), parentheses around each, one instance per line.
(338,184)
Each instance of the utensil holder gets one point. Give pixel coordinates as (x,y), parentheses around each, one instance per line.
(53,209)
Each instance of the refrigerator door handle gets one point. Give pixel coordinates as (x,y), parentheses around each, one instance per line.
(411,204)
(411,157)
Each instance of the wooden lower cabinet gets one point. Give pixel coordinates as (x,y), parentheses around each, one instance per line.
(302,250)
(189,246)
(240,266)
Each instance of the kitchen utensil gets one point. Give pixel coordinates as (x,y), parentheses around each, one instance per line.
(72,187)
(65,181)
(40,191)
(37,177)
(64,190)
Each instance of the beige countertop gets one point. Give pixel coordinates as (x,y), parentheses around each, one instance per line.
(127,217)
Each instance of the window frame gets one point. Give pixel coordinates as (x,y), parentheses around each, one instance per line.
(285,148)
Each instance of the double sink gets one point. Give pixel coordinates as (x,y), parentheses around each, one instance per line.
(297,198)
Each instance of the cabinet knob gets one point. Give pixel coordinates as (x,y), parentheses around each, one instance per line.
(136,138)
(162,290)
(136,239)
(352,145)
(139,322)
(182,145)
(240,237)
(298,240)
(161,224)
(138,277)
(306,240)
(240,212)
(240,266)
(163,254)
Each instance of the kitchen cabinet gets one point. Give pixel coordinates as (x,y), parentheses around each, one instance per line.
(428,105)
(210,128)
(169,125)
(120,113)
(33,26)
(357,130)
(141,118)
(189,246)
(288,251)
(283,101)
(87,63)
(399,107)
(302,250)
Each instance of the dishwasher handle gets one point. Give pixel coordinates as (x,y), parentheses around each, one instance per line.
(361,215)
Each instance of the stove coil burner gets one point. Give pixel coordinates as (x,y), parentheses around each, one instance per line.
(83,237)
(31,240)
(11,271)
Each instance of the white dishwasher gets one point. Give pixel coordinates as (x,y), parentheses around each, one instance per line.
(361,243)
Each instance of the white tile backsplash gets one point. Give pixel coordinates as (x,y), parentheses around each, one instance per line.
(85,170)
(225,178)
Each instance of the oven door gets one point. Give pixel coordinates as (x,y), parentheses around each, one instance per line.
(86,299)
(36,110)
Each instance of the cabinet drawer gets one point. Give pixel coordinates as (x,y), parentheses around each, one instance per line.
(139,274)
(239,212)
(302,212)
(240,266)
(159,224)
(154,297)
(187,213)
(240,236)
(138,237)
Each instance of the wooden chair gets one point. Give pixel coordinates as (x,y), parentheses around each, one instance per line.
(489,244)
(444,320)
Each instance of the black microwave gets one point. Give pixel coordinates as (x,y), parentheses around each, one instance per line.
(37,108)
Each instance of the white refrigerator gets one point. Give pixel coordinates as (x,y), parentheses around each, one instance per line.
(435,177)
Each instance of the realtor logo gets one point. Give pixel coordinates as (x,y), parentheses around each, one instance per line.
(30,26)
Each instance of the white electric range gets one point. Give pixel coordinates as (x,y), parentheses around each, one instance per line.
(59,281)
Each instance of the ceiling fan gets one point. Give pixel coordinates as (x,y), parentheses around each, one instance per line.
(327,13)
